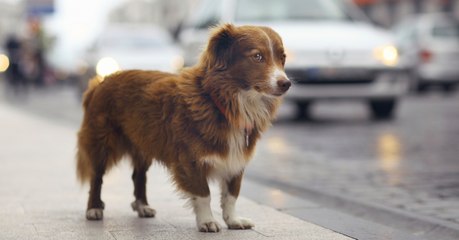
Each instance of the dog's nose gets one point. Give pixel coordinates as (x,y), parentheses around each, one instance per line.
(284,84)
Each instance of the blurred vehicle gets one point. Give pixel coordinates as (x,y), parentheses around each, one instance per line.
(4,61)
(333,51)
(132,46)
(11,62)
(429,46)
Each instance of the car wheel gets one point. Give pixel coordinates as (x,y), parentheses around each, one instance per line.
(303,110)
(421,88)
(448,88)
(383,109)
(413,82)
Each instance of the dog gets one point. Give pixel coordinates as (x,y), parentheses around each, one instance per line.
(202,124)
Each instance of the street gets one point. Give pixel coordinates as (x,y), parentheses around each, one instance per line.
(409,166)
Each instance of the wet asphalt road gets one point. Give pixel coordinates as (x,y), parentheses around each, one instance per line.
(410,164)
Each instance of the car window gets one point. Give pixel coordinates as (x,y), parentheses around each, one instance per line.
(405,32)
(208,14)
(446,30)
(278,10)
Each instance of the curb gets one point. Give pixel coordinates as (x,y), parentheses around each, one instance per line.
(415,225)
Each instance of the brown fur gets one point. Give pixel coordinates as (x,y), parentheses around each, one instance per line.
(172,119)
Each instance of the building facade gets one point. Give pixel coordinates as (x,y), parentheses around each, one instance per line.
(11,13)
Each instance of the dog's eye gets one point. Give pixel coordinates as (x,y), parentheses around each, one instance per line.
(258,57)
(283,58)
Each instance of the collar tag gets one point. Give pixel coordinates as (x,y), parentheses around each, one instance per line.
(247,132)
(246,138)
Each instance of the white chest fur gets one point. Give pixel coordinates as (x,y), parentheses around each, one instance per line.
(236,159)
(253,112)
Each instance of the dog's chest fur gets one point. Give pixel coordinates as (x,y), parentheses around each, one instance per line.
(234,162)
(253,113)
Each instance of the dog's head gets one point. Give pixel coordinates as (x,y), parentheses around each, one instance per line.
(248,57)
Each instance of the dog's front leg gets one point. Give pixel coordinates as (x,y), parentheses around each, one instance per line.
(194,183)
(204,218)
(230,192)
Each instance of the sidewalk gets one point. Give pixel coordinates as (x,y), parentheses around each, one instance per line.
(41,199)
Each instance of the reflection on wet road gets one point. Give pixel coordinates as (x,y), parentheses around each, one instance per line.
(389,156)
(409,164)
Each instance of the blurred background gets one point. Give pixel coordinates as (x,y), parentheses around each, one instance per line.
(372,116)
(52,41)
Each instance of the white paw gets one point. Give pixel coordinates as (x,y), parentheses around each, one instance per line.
(143,210)
(95,214)
(239,223)
(209,226)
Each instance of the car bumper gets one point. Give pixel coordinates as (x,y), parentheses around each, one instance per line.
(439,73)
(347,84)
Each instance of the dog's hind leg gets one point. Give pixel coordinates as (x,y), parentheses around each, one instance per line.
(102,154)
(95,204)
(139,177)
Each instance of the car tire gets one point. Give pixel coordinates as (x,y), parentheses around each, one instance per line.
(421,88)
(383,109)
(448,88)
(417,85)
(303,110)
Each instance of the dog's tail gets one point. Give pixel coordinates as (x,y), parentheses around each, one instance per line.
(84,167)
(92,84)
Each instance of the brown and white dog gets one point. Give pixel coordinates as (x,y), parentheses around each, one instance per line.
(201,124)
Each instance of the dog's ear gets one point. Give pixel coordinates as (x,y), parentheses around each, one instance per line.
(219,47)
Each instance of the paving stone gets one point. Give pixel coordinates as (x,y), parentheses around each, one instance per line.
(77,235)
(13,229)
(148,234)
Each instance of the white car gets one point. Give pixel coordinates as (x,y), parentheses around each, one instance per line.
(429,45)
(133,46)
(333,51)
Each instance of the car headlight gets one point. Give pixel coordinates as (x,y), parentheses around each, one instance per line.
(106,66)
(4,62)
(388,55)
(177,63)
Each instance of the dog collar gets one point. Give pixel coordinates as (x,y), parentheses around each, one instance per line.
(219,105)
(248,128)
